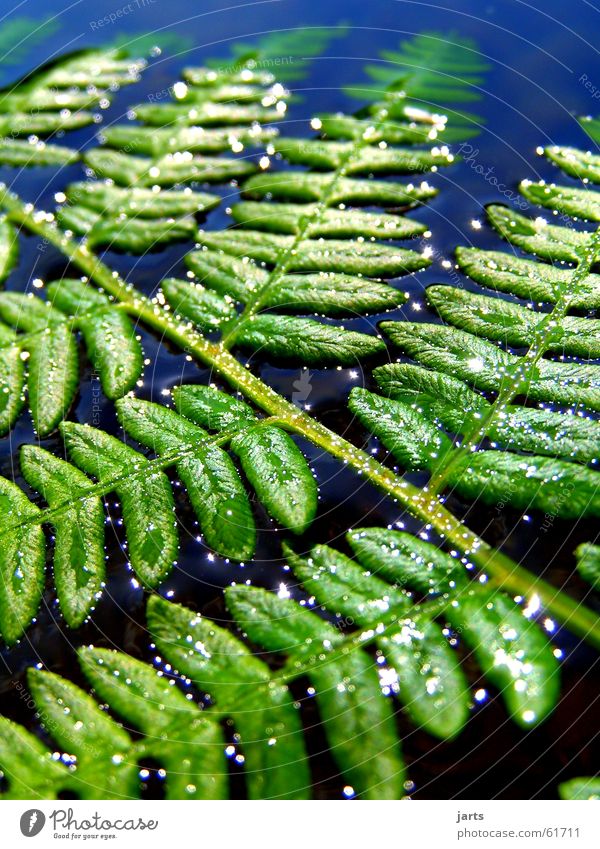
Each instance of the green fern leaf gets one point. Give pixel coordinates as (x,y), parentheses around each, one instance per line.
(195,139)
(12,379)
(583,165)
(330,223)
(326,292)
(53,376)
(81,728)
(306,341)
(201,306)
(57,97)
(27,765)
(212,409)
(510,323)
(301,187)
(50,349)
(271,461)
(578,203)
(22,557)
(432,685)
(588,563)
(351,257)
(244,689)
(126,234)
(141,203)
(512,652)
(537,237)
(327,155)
(147,500)
(108,333)
(79,531)
(527,279)
(23,154)
(277,470)
(186,741)
(358,721)
(554,486)
(9,248)
(487,367)
(404,560)
(459,409)
(212,482)
(172,169)
(101,761)
(580,789)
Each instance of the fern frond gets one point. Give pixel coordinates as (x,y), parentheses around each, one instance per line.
(272,464)
(416,661)
(19,35)
(281,257)
(588,563)
(287,52)
(58,97)
(580,789)
(142,207)
(417,423)
(427,81)
(48,345)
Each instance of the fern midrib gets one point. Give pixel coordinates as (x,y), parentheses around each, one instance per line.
(420,504)
(286,254)
(522,370)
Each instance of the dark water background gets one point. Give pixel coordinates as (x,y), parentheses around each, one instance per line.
(538,53)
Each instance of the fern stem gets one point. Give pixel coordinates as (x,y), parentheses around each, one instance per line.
(421,504)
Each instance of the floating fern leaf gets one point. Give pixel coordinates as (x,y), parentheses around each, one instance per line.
(459,408)
(174,731)
(141,208)
(19,35)
(57,97)
(357,720)
(291,241)
(580,789)
(50,349)
(271,461)
(289,52)
(588,563)
(432,73)
(145,495)
(9,249)
(78,527)
(357,717)
(22,557)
